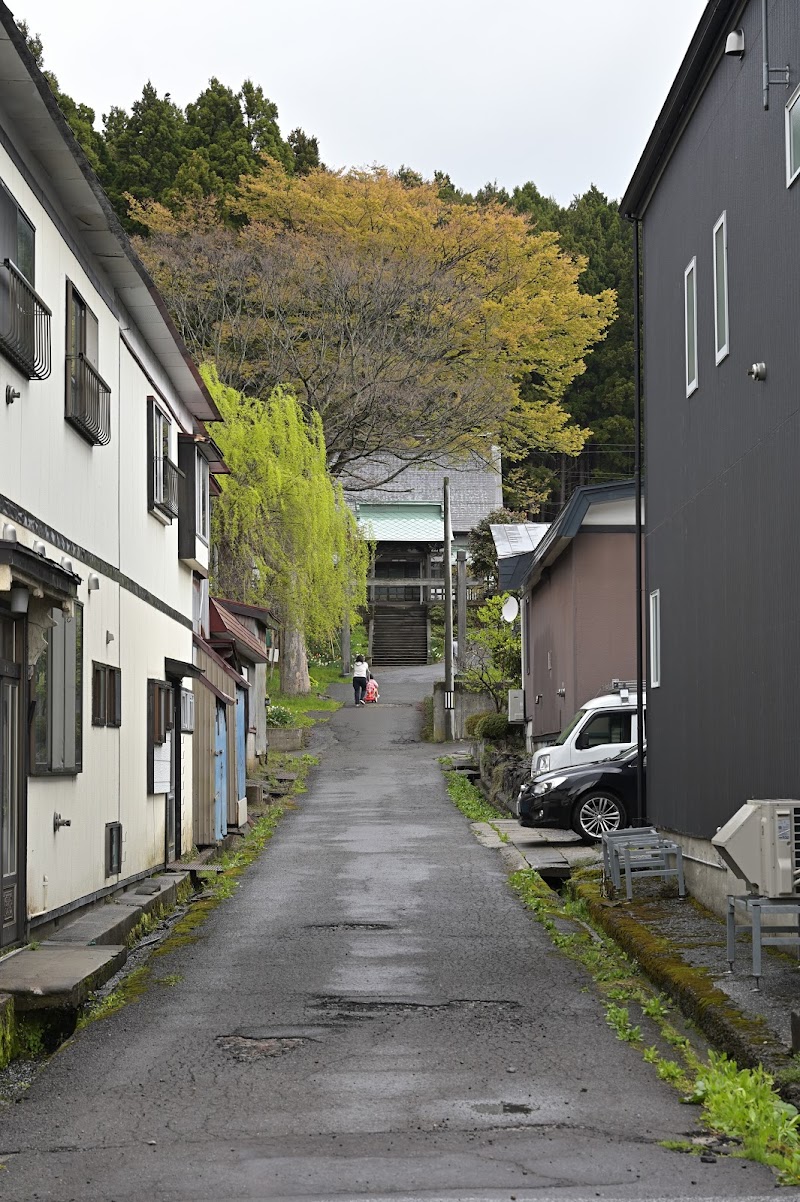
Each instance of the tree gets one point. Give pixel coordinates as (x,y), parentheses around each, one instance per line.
(482,551)
(407,322)
(305,151)
(146,149)
(494,652)
(282,533)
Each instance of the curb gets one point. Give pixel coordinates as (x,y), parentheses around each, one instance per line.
(747,1040)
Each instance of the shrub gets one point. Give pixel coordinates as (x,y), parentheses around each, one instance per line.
(472,721)
(279,715)
(492,727)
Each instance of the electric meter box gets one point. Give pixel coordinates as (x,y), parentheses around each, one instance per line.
(761,845)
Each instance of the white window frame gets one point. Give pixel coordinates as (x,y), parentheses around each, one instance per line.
(655,639)
(793,100)
(202,499)
(691,383)
(720,278)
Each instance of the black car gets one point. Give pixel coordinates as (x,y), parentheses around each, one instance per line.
(591,798)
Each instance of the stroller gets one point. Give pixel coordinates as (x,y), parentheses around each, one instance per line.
(372,693)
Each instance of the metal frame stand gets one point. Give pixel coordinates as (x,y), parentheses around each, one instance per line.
(762,934)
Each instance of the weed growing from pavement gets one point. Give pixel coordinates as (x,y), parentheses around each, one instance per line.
(740,1105)
(469,799)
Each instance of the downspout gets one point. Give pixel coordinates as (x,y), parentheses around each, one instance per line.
(765,53)
(637,471)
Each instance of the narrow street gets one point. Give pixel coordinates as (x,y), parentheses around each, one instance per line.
(372,1014)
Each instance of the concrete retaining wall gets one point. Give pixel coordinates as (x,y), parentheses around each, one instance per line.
(465,705)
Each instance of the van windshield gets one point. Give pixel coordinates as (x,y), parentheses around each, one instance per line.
(567,731)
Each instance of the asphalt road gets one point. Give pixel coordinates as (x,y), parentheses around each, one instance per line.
(371,1016)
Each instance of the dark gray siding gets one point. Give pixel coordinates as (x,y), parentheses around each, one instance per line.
(723,517)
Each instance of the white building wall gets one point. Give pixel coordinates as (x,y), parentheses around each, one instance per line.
(96,497)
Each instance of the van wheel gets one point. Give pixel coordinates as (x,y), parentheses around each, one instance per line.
(595,814)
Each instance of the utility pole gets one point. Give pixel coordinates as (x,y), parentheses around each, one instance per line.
(346,652)
(461,608)
(449,699)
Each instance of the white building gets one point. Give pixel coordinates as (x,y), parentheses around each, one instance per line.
(104,522)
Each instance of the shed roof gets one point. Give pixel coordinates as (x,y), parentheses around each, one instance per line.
(402,523)
(476,486)
(226,628)
(516,538)
(592,505)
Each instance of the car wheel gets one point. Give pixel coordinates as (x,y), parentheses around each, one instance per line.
(595,814)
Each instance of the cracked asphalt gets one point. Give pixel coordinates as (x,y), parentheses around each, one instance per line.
(372,1015)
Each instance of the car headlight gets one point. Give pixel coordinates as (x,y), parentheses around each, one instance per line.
(543,763)
(546,785)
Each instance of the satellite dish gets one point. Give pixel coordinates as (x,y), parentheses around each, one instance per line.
(510,609)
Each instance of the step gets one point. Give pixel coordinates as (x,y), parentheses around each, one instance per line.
(58,976)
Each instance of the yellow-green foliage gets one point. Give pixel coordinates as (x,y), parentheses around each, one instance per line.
(6,1032)
(281,512)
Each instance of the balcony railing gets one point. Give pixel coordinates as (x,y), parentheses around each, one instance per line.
(24,324)
(167,477)
(88,400)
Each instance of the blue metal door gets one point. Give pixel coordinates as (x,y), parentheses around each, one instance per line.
(241,744)
(221,774)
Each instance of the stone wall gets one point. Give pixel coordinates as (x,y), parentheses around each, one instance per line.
(466,704)
(503,770)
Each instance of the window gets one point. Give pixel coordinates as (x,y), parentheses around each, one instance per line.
(57,693)
(106,695)
(690,324)
(793,138)
(203,518)
(113,848)
(24,317)
(163,476)
(200,624)
(609,726)
(159,736)
(721,288)
(88,397)
(655,639)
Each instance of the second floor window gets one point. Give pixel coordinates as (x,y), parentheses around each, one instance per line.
(88,397)
(203,500)
(690,324)
(163,472)
(721,288)
(24,317)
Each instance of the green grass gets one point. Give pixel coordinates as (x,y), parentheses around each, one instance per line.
(469,799)
(741,1104)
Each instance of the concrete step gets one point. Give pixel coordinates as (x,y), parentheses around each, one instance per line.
(57,976)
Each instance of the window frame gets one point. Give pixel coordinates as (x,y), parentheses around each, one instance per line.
(202,499)
(692,384)
(793,100)
(721,352)
(57,673)
(106,695)
(654,629)
(160,722)
(582,745)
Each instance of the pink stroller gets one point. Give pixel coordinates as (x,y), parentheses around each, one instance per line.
(372,693)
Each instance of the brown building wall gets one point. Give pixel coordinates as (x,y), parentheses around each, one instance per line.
(581,628)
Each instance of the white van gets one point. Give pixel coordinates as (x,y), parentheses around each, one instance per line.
(602,727)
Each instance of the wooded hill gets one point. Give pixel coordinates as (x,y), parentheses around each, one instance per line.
(161,153)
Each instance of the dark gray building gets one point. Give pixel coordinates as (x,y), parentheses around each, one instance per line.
(717,195)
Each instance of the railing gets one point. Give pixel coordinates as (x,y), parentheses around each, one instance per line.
(166,498)
(24,324)
(88,400)
(424,590)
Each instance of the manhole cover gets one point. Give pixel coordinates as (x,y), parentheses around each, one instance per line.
(249,1049)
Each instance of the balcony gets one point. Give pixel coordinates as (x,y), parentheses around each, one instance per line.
(167,477)
(88,406)
(24,324)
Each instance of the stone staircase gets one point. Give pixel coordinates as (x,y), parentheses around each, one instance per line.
(399,635)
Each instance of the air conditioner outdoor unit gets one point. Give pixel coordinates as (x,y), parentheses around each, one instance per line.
(761,845)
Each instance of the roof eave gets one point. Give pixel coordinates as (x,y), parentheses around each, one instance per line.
(715,23)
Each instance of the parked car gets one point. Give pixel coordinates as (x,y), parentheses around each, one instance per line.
(602,727)
(590,799)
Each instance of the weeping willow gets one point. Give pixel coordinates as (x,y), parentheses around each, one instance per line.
(283,536)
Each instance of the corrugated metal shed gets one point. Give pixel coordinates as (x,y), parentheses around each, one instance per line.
(402,523)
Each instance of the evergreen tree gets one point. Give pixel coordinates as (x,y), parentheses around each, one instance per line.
(305,151)
(146,150)
(261,122)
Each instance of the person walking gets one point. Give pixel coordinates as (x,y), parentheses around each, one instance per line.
(360,678)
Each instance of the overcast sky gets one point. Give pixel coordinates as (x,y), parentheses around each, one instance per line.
(564,94)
